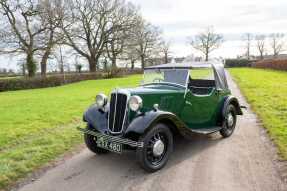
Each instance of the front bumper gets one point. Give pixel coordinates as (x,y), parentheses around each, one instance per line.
(112,138)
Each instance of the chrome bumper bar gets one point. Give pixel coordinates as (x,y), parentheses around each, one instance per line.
(112,138)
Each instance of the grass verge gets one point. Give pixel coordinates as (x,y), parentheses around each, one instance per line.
(37,125)
(266,91)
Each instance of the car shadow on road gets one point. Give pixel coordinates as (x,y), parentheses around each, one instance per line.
(184,149)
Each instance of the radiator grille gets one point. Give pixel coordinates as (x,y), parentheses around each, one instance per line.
(118,105)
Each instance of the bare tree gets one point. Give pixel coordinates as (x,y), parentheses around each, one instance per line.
(51,15)
(60,54)
(21,29)
(260,43)
(123,20)
(87,26)
(165,48)
(207,41)
(30,28)
(277,43)
(248,37)
(146,39)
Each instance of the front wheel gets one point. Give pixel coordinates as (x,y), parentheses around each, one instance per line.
(158,145)
(91,143)
(229,122)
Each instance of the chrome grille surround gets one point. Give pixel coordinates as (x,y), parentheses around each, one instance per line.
(118,111)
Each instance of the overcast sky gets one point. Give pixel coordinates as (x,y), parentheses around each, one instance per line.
(182,18)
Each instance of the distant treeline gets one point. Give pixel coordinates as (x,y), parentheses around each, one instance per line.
(10,84)
(230,63)
(276,64)
(99,31)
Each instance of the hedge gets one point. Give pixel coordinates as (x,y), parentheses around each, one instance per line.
(277,64)
(230,63)
(57,80)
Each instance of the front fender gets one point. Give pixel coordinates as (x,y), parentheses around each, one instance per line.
(97,118)
(144,122)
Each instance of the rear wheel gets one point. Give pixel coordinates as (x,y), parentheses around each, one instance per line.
(92,144)
(229,122)
(158,145)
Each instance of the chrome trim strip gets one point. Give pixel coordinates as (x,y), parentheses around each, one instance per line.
(165,83)
(112,138)
(186,83)
(115,109)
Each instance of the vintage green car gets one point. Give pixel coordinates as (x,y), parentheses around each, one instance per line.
(173,99)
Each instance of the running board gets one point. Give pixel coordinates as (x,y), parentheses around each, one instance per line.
(206,131)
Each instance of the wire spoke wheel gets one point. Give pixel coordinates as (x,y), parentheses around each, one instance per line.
(158,143)
(156,148)
(229,122)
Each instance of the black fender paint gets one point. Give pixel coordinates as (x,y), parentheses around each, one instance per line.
(97,118)
(144,122)
(234,101)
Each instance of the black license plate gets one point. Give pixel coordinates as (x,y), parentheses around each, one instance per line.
(108,145)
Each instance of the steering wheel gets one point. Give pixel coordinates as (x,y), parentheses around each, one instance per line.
(157,79)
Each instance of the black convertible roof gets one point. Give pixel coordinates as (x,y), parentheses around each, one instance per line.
(218,68)
(185,65)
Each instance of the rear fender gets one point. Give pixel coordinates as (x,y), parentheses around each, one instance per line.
(234,101)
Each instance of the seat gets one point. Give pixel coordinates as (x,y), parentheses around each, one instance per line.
(200,86)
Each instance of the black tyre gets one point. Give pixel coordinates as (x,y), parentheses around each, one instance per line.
(229,122)
(158,145)
(91,143)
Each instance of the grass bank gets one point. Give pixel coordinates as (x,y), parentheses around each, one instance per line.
(37,125)
(266,91)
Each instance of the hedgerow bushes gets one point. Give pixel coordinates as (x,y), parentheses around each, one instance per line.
(271,64)
(231,63)
(58,80)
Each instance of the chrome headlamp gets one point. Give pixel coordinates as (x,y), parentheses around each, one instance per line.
(101,100)
(135,103)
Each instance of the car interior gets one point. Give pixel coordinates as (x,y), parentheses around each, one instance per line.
(201,86)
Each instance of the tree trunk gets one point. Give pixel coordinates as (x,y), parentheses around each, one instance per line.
(105,65)
(261,55)
(44,62)
(206,53)
(165,58)
(143,61)
(62,61)
(114,63)
(92,64)
(31,66)
(206,56)
(132,64)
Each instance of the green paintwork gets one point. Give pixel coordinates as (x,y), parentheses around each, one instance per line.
(195,111)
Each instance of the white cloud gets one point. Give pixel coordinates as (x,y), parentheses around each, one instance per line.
(182,18)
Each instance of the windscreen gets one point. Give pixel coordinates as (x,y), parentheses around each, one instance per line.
(175,76)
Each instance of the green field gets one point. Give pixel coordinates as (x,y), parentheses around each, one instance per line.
(38,125)
(266,91)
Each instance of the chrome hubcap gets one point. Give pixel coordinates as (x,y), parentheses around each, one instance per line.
(230,120)
(158,148)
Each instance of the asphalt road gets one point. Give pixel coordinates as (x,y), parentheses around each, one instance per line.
(246,161)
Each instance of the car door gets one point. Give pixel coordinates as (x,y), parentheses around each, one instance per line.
(199,111)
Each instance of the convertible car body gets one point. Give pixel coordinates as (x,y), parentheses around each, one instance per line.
(174,99)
